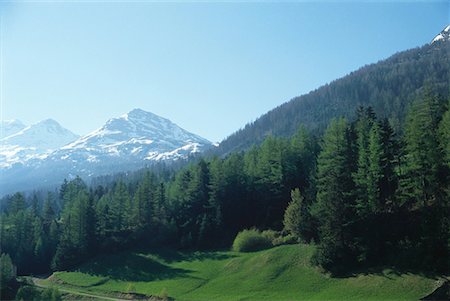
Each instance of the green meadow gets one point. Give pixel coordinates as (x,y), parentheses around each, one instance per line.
(280,273)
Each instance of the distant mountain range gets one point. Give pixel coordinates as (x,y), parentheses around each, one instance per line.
(35,142)
(389,87)
(45,153)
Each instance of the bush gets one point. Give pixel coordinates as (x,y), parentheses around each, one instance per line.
(51,294)
(271,235)
(285,240)
(29,292)
(251,240)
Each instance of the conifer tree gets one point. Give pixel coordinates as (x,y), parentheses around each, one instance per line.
(334,207)
(297,219)
(422,163)
(7,271)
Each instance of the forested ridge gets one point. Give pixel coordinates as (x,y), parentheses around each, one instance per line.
(363,194)
(388,86)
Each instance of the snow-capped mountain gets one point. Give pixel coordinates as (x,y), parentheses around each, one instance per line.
(131,141)
(136,136)
(10,127)
(444,35)
(33,142)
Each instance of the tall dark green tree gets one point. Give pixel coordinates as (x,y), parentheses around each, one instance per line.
(7,271)
(366,190)
(424,180)
(423,159)
(335,202)
(77,223)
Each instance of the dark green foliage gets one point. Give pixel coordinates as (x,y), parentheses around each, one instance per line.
(30,293)
(7,271)
(51,294)
(425,181)
(335,201)
(367,198)
(251,240)
(17,203)
(444,135)
(389,87)
(77,229)
(423,161)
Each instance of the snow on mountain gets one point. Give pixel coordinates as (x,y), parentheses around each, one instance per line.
(444,35)
(34,142)
(10,127)
(129,142)
(137,135)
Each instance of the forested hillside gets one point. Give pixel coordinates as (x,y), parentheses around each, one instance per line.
(388,86)
(364,195)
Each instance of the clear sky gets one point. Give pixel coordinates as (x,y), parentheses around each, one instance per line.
(209,67)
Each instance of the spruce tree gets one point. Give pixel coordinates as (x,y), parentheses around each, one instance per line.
(421,183)
(334,207)
(297,219)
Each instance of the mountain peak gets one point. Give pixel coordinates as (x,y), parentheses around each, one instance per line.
(12,121)
(141,114)
(443,36)
(49,122)
(137,111)
(10,127)
(34,142)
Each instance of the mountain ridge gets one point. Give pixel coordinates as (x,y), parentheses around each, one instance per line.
(443,36)
(125,143)
(10,127)
(389,86)
(33,142)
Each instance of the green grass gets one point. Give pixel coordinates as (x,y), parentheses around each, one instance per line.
(281,273)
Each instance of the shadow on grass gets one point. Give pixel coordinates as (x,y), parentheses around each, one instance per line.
(146,265)
(171,256)
(132,267)
(387,272)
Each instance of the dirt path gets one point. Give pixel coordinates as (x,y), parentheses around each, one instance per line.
(37,282)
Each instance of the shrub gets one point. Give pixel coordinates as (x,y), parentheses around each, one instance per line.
(285,240)
(271,235)
(29,292)
(251,240)
(51,294)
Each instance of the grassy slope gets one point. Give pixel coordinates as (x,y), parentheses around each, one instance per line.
(281,273)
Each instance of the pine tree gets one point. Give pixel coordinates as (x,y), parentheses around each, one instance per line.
(48,212)
(444,135)
(424,181)
(120,207)
(7,271)
(423,160)
(297,219)
(334,207)
(301,164)
(74,242)
(17,203)
(366,190)
(35,205)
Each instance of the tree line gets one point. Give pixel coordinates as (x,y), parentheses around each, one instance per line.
(361,193)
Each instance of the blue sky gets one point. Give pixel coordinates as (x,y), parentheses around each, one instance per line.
(209,67)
